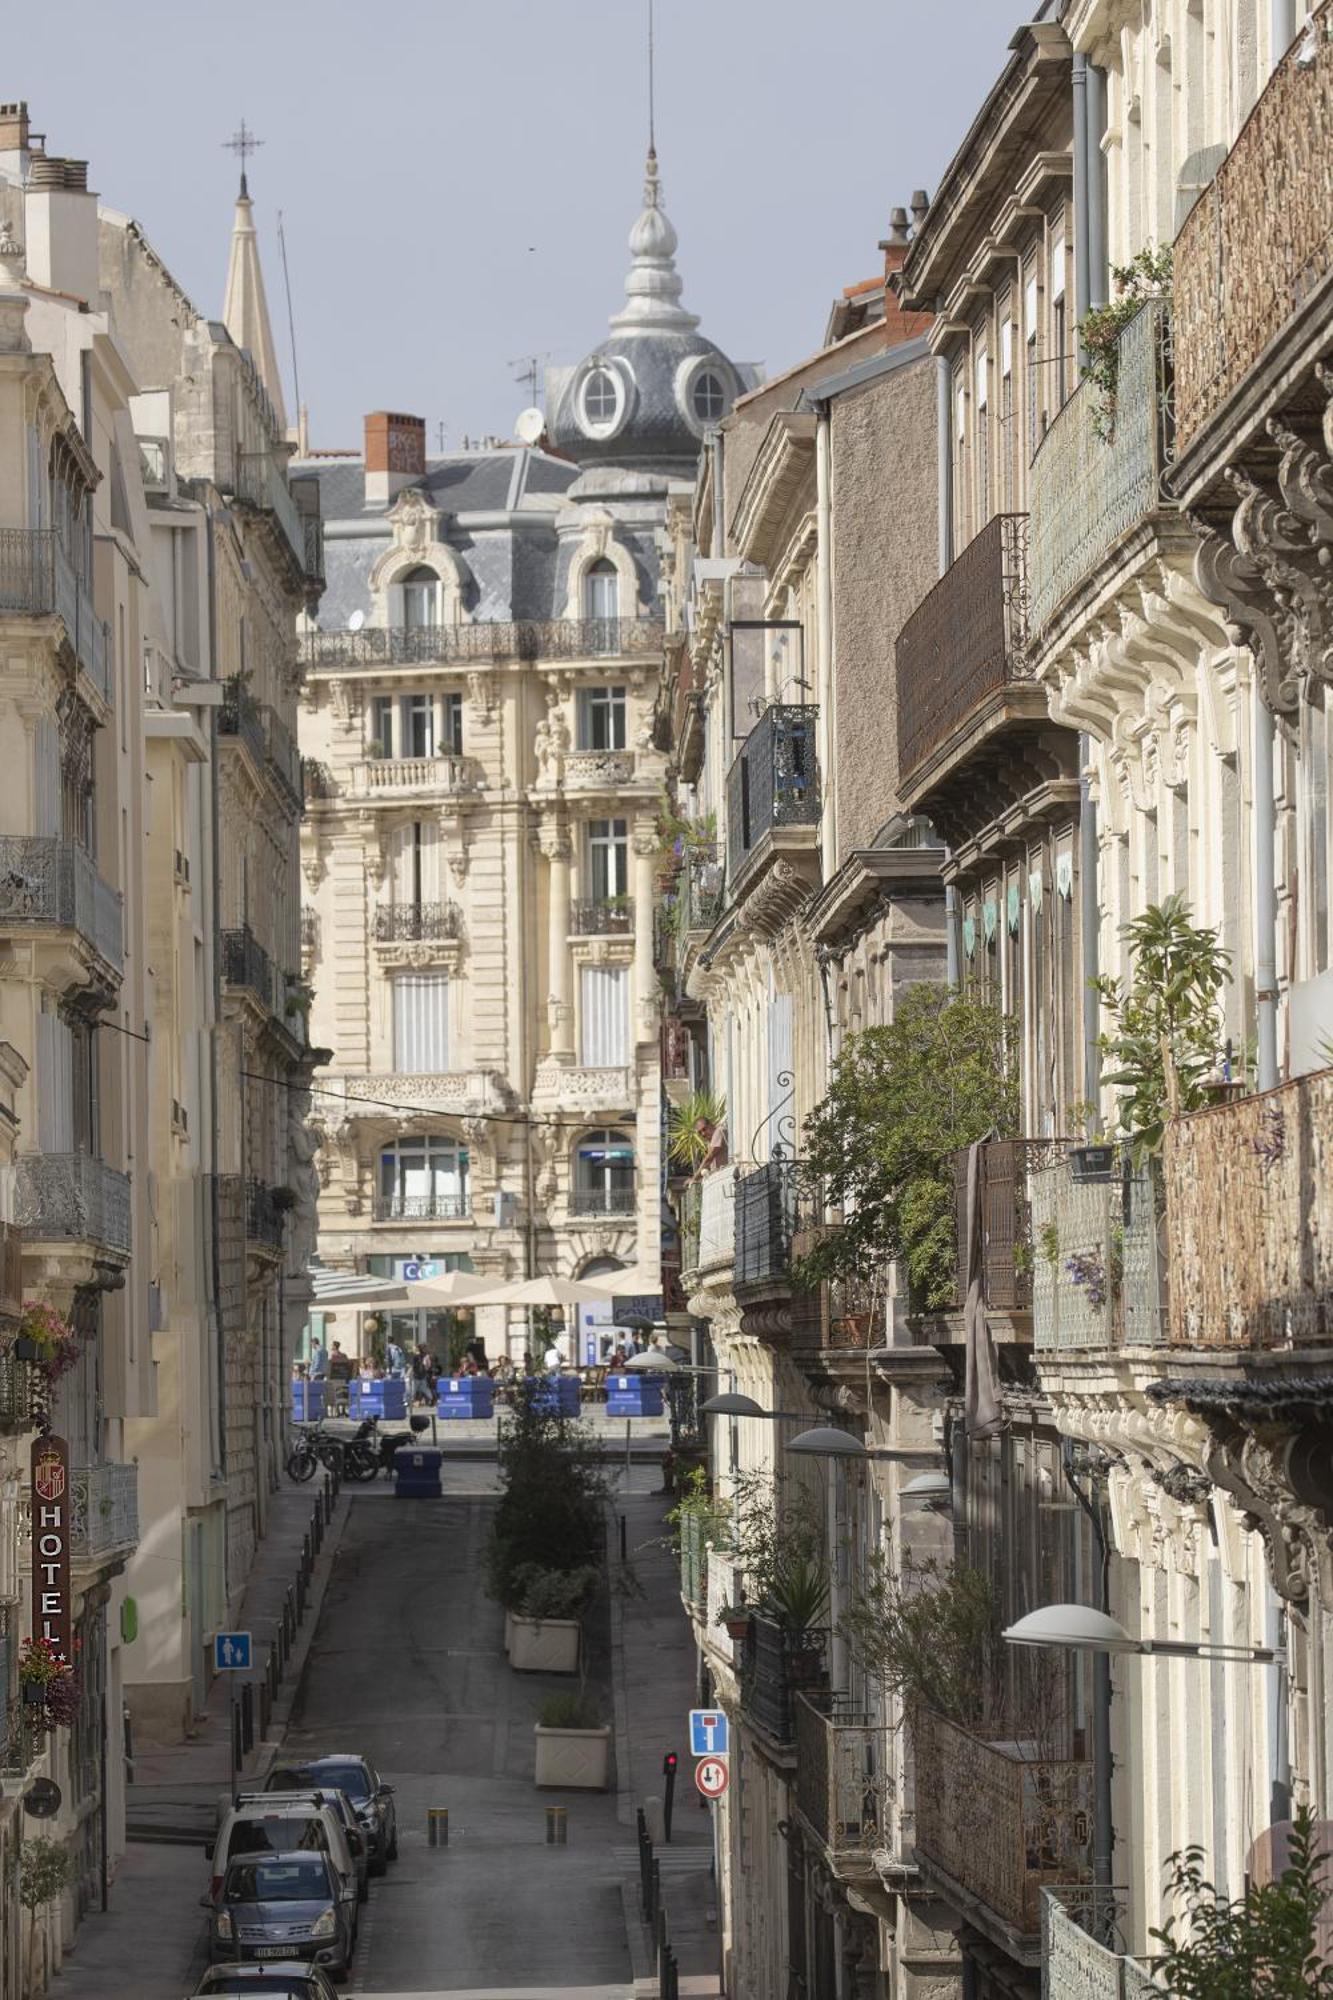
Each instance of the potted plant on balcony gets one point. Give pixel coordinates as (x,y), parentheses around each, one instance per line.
(1147,276)
(1166,1024)
(46,1339)
(48,1685)
(573,1743)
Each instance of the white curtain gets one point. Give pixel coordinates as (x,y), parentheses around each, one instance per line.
(421,1023)
(604,1016)
(416,863)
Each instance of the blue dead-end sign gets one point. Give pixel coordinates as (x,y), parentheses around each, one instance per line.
(708,1733)
(231,1652)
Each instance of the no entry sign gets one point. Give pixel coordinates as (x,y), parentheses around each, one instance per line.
(712,1775)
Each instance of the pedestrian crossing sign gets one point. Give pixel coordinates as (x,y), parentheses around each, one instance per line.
(708,1733)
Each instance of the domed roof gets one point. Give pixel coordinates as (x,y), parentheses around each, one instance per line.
(646,395)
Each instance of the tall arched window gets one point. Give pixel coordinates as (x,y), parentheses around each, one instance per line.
(424,1180)
(421,599)
(604,1174)
(601,590)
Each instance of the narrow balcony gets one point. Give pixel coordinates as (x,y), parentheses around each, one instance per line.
(599,1200)
(773,787)
(698,1532)
(395,778)
(317,781)
(995,1824)
(451,1205)
(53,885)
(284,759)
(598,770)
(489,640)
(961,664)
(261,483)
(708,1224)
(1252,257)
(1249,1206)
(247,967)
(241,717)
(37,579)
(1007,1252)
(72,1197)
(777,1666)
(378,1094)
(20,1404)
(844,1782)
(765,1214)
(1081,1948)
(1098,1282)
(265,1209)
(104,1513)
(1097,474)
(611,916)
(417,923)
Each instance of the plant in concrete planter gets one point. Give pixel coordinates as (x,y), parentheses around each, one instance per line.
(573,1743)
(548,1536)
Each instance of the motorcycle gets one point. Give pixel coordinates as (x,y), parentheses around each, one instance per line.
(311,1449)
(370,1448)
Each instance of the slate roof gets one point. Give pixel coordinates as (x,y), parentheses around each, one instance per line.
(466,483)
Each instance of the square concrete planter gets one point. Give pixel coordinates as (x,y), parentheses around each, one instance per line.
(544,1645)
(573,1759)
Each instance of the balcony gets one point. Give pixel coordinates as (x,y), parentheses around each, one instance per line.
(1254,254)
(708,1223)
(104,1513)
(605,917)
(247,967)
(377,1094)
(765,1213)
(777,1666)
(598,1200)
(1249,1204)
(417,923)
(996,1823)
(844,1782)
(317,781)
(1007,1257)
(698,1532)
(52,885)
(71,1197)
(20,1403)
(261,483)
(773,784)
(962,653)
(1089,490)
(37,579)
(451,1205)
(394,778)
(1098,1283)
(1080,1958)
(598,770)
(284,759)
(488,640)
(240,716)
(699,899)
(265,1208)
(20,1747)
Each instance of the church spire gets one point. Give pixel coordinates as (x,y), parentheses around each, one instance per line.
(245,306)
(653,287)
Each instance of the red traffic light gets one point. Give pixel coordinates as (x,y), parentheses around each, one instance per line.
(669,1761)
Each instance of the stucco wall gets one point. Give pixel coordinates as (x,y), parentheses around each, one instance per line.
(885,559)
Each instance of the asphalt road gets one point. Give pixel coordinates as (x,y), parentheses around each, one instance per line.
(408,1667)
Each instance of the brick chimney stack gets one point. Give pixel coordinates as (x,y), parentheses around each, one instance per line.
(395,454)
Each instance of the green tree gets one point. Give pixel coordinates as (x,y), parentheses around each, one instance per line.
(550,1515)
(903,1099)
(930,1633)
(1166,1024)
(1262,1946)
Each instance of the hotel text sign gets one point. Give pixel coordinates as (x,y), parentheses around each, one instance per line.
(50,1545)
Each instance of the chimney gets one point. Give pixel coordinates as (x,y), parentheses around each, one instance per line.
(920,209)
(60,227)
(14,140)
(395,454)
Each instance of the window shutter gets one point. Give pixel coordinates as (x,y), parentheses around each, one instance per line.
(421,1024)
(604,991)
(55,1096)
(430,860)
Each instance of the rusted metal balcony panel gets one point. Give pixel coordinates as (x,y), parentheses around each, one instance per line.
(1249,1205)
(998,1822)
(1098,1275)
(1097,475)
(844,1781)
(1259,242)
(965,641)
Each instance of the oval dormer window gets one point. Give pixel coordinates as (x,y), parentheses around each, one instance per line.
(708,397)
(601,400)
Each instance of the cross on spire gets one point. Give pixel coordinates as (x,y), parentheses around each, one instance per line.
(242,142)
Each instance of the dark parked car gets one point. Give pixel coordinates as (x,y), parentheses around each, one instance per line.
(281,1906)
(284,1979)
(372,1799)
(358,1834)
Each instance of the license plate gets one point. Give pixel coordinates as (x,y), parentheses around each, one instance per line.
(274,1951)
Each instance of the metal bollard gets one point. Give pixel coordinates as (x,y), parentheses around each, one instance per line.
(247,1716)
(437,1826)
(557,1826)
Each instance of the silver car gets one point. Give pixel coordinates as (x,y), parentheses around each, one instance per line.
(281,1906)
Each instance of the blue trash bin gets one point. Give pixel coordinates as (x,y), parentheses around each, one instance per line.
(308,1402)
(633,1395)
(416,1473)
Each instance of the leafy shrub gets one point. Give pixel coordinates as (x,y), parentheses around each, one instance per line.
(550,1516)
(569,1711)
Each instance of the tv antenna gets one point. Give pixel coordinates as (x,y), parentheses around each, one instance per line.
(528,368)
(242,142)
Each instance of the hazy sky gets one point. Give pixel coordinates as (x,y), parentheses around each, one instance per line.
(458,180)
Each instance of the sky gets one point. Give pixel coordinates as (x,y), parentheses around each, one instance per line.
(457,180)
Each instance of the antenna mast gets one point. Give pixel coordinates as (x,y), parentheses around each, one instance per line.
(652,87)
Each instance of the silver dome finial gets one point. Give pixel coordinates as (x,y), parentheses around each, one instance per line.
(653,287)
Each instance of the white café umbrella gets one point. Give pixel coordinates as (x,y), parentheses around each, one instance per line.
(626,1284)
(553,1291)
(355,1290)
(455,1288)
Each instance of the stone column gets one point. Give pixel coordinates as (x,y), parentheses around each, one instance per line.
(560,1014)
(645,978)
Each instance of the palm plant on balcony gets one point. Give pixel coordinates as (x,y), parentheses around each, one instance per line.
(1146,276)
(695,1129)
(1166,1023)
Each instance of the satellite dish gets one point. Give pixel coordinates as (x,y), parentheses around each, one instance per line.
(42,1799)
(529,425)
(356,621)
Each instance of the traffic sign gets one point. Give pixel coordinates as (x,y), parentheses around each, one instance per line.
(712,1776)
(709,1735)
(231,1652)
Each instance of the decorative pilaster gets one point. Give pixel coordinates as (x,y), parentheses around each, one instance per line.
(646,856)
(555,845)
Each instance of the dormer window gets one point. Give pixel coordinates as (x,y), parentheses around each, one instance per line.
(709,398)
(421,599)
(601,591)
(601,402)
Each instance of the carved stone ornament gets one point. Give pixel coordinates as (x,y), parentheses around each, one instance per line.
(481,696)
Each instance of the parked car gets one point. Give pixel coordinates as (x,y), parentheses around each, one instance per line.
(261,1825)
(285,1905)
(284,1979)
(371,1797)
(325,1795)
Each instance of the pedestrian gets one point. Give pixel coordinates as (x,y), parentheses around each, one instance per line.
(551,1359)
(339,1369)
(396,1358)
(527,1361)
(319,1361)
(420,1376)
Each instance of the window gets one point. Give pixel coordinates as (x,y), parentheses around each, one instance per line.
(381,726)
(423,1178)
(1059,321)
(604,1016)
(1007,412)
(416,725)
(604,1174)
(601,591)
(602,718)
(708,398)
(608,859)
(983,437)
(416,719)
(416,863)
(601,400)
(451,725)
(1036,412)
(421,599)
(421,1023)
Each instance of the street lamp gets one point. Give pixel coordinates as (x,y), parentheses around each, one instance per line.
(825,1441)
(1079,1626)
(927,1489)
(732,1404)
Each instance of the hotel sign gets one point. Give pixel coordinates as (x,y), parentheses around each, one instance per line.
(51,1524)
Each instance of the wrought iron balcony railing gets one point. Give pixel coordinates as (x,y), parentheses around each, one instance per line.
(264,1212)
(1098,1280)
(777,1665)
(316,780)
(533,639)
(996,1823)
(844,1780)
(1082,1954)
(774,781)
(596,1199)
(1008,1254)
(20,1403)
(1259,242)
(284,759)
(452,1206)
(1249,1210)
(54,884)
(611,917)
(1097,475)
(309,932)
(247,966)
(965,642)
(11,1270)
(765,1213)
(104,1511)
(37,579)
(71,1197)
(416,923)
(241,716)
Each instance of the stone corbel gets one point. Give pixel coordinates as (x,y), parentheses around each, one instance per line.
(1305,479)
(1284,548)
(1235,583)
